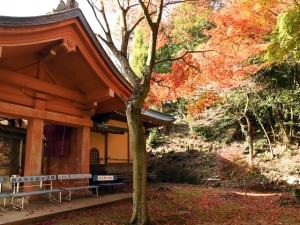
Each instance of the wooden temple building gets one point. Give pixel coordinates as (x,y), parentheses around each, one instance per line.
(60,105)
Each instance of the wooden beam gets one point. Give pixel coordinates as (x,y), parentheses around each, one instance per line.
(15,78)
(100,95)
(50,75)
(8,97)
(50,106)
(12,135)
(48,56)
(0,51)
(89,112)
(64,109)
(27,113)
(28,68)
(49,52)
(91,105)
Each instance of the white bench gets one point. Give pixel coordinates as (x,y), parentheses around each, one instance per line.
(43,183)
(107,181)
(3,196)
(82,183)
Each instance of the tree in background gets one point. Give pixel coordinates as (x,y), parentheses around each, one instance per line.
(174,77)
(227,40)
(198,51)
(241,37)
(135,13)
(242,34)
(285,39)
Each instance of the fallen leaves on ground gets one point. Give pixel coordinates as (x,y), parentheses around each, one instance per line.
(179,204)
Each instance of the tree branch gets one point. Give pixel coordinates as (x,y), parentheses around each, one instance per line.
(297,3)
(195,68)
(182,56)
(102,12)
(159,83)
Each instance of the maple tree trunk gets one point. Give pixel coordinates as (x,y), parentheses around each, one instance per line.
(248,132)
(265,131)
(286,137)
(249,139)
(137,143)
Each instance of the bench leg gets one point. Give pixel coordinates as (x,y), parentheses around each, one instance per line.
(111,187)
(121,187)
(68,197)
(102,190)
(4,202)
(54,199)
(90,192)
(17,206)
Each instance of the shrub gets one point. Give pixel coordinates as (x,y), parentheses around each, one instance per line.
(153,139)
(234,168)
(170,169)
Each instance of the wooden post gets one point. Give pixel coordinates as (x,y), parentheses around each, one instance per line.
(106,149)
(33,154)
(83,150)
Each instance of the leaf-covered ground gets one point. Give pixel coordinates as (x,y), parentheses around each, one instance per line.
(189,204)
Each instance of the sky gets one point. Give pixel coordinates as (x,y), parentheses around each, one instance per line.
(26,8)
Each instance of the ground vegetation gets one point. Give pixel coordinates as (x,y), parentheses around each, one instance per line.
(184,204)
(218,68)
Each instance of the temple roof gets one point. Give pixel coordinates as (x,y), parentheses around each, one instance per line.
(152,118)
(7,21)
(72,58)
(83,73)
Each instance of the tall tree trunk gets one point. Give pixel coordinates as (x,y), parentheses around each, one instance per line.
(286,137)
(248,134)
(137,142)
(292,118)
(266,133)
(249,138)
(269,120)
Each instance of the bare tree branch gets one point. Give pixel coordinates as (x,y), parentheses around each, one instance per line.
(159,83)
(93,6)
(275,14)
(182,56)
(297,3)
(146,13)
(190,65)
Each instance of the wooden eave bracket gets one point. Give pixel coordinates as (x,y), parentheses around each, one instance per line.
(92,105)
(68,44)
(100,95)
(88,109)
(50,55)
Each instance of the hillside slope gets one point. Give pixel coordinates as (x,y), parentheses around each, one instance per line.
(181,154)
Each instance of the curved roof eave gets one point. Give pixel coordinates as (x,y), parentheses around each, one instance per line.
(8,21)
(153,117)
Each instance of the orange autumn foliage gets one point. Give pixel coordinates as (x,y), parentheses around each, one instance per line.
(232,53)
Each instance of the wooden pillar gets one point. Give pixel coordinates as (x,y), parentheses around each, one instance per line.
(33,153)
(34,141)
(106,149)
(83,151)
